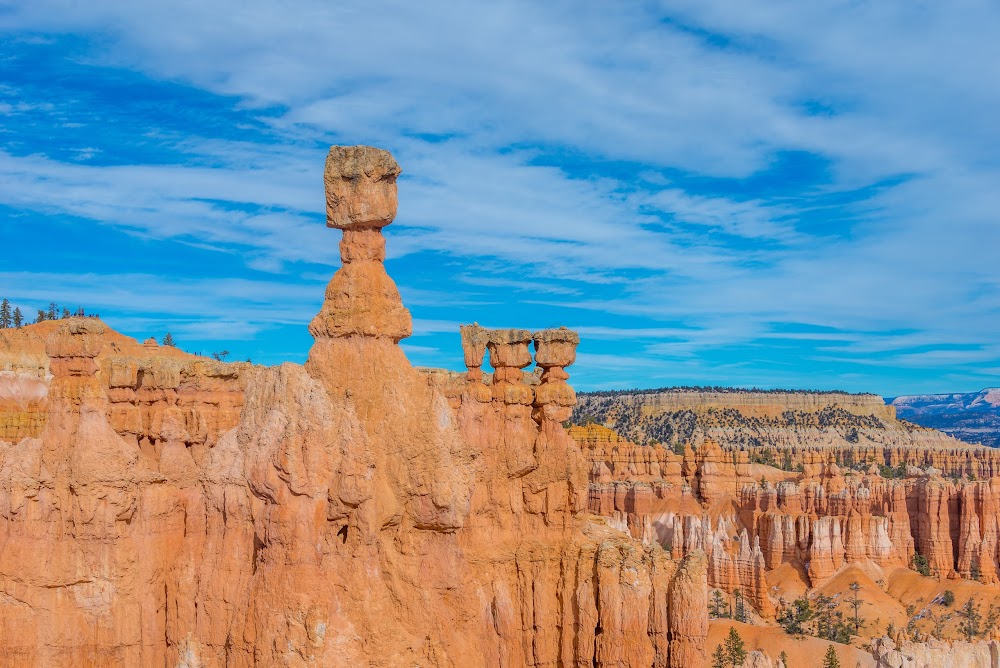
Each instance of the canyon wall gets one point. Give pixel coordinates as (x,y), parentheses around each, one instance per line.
(933,654)
(160,509)
(752,518)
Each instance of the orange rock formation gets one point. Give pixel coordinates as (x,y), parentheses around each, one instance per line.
(160,509)
(750,519)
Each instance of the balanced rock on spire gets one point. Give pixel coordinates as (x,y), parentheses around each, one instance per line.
(361,300)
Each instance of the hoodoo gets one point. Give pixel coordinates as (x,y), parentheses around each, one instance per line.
(159,509)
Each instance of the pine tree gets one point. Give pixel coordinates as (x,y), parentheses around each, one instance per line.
(168,340)
(719,657)
(42,316)
(66,313)
(783,657)
(856,605)
(831,660)
(970,627)
(717,606)
(18,318)
(53,313)
(741,607)
(735,652)
(5,319)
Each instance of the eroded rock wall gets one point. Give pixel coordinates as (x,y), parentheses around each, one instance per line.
(170,511)
(752,518)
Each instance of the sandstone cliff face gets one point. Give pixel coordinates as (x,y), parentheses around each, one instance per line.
(159,509)
(145,384)
(750,519)
(934,654)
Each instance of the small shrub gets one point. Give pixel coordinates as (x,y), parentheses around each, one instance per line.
(921,565)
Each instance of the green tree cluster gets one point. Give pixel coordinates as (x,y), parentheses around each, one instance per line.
(921,565)
(10,317)
(55,312)
(819,618)
(892,472)
(796,616)
(830,622)
(717,606)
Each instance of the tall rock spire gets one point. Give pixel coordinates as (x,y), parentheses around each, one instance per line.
(361,300)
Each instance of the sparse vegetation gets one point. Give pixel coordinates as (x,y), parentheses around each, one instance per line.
(12,316)
(971,624)
(921,565)
(621,411)
(892,471)
(948,598)
(830,622)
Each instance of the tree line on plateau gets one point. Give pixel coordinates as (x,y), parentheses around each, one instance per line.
(15,318)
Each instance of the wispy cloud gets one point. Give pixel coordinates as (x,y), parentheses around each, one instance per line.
(792,191)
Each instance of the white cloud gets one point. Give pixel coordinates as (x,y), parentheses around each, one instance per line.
(640,115)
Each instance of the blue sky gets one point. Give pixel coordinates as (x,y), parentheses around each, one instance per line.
(787,195)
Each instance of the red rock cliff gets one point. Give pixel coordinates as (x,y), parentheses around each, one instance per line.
(158,509)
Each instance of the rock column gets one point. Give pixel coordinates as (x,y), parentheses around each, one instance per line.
(361,200)
(508,355)
(555,349)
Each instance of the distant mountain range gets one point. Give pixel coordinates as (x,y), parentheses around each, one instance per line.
(972,417)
